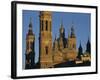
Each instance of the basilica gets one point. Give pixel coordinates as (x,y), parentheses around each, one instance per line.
(61,50)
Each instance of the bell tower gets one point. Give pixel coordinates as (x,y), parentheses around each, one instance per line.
(45,39)
(30,52)
(72,53)
(62,36)
(72,39)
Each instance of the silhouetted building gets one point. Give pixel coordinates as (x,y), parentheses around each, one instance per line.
(80,51)
(87,54)
(88,47)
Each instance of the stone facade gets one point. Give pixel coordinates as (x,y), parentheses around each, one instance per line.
(65,49)
(45,39)
(51,53)
(62,50)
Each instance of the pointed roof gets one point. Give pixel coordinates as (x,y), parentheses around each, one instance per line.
(80,45)
(55,37)
(72,27)
(30,31)
(30,24)
(61,27)
(88,46)
(88,42)
(72,31)
(55,44)
(68,33)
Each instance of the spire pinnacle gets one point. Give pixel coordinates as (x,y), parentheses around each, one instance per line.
(88,38)
(68,33)
(30,32)
(80,46)
(88,42)
(72,30)
(80,43)
(61,25)
(72,26)
(30,24)
(55,37)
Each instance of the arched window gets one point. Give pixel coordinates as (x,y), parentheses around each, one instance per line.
(50,25)
(46,25)
(46,50)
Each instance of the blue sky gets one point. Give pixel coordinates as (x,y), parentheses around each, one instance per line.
(81,23)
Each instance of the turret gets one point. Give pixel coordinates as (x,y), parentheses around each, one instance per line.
(30,51)
(55,45)
(88,47)
(80,51)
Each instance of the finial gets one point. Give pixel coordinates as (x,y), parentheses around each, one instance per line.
(61,22)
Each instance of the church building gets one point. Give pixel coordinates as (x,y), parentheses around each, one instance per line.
(30,44)
(61,50)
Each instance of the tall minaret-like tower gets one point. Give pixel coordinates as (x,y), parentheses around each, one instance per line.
(72,53)
(30,52)
(45,39)
(88,47)
(61,37)
(72,39)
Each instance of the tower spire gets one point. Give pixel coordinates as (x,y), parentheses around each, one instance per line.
(68,33)
(30,24)
(30,50)
(55,37)
(80,51)
(61,25)
(72,31)
(62,30)
(80,46)
(88,46)
(30,31)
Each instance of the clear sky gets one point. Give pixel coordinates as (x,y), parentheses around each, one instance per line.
(81,23)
